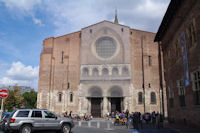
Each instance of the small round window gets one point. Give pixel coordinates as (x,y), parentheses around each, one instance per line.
(105,47)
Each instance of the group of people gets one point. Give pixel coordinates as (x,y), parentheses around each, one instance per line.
(68,115)
(74,116)
(153,120)
(138,120)
(87,117)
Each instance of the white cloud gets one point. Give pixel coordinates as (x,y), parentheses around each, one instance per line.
(37,21)
(23,5)
(72,15)
(24,8)
(19,71)
(151,9)
(21,75)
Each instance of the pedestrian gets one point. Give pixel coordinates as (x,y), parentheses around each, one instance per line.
(158,120)
(153,116)
(141,119)
(70,114)
(161,120)
(108,114)
(127,113)
(65,114)
(113,115)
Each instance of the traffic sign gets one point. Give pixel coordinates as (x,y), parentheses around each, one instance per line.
(3,93)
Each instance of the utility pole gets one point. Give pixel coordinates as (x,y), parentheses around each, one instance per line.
(1,112)
(143,85)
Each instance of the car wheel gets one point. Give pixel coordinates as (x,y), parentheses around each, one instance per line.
(26,129)
(66,128)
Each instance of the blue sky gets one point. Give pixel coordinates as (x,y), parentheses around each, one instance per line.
(24,24)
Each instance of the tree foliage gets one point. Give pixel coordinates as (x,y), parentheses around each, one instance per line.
(15,100)
(30,99)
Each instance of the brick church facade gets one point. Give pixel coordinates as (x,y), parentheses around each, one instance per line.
(102,68)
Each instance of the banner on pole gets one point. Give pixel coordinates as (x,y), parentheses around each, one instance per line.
(185,60)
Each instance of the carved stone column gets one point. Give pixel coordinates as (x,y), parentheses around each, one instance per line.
(105,105)
(89,106)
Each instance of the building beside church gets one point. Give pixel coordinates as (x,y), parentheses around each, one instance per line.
(179,39)
(102,68)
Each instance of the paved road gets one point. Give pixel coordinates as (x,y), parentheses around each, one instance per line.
(88,130)
(104,128)
(101,130)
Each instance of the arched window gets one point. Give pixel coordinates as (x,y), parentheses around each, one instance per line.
(153,98)
(71,97)
(115,71)
(125,71)
(95,72)
(105,72)
(140,101)
(59,97)
(85,71)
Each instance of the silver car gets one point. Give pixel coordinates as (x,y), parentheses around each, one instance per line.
(29,120)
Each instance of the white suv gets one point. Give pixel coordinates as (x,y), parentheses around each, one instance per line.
(29,120)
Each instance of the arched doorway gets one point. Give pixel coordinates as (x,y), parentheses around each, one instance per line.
(116,99)
(95,96)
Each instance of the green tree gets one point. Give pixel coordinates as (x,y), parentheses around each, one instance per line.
(30,99)
(14,99)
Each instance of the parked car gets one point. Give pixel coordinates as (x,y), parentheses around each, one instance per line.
(4,120)
(29,120)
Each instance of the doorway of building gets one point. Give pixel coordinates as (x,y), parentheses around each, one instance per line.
(116,104)
(96,107)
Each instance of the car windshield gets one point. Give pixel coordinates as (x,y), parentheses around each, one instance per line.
(48,114)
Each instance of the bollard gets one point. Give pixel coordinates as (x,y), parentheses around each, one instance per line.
(79,123)
(89,124)
(98,124)
(108,125)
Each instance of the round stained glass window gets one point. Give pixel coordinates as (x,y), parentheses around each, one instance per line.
(105,47)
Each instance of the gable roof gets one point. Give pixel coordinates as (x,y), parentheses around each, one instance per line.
(103,22)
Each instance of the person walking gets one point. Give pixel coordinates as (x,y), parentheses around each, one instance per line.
(127,113)
(153,116)
(141,120)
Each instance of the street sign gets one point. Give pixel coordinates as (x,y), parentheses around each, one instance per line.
(3,93)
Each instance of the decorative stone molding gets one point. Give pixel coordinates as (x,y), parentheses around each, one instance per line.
(118,67)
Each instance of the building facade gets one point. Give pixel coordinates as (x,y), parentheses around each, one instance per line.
(102,68)
(179,39)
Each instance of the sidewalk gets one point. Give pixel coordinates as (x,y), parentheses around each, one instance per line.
(182,128)
(167,126)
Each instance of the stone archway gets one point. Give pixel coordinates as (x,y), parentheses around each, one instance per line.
(116,98)
(95,97)
(115,91)
(95,91)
